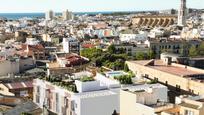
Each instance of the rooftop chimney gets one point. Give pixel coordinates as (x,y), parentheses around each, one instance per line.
(167,61)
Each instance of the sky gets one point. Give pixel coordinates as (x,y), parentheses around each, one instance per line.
(22,6)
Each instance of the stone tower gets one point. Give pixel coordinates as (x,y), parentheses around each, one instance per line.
(182,12)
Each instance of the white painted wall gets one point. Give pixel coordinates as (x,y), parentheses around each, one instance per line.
(144,110)
(130,37)
(87,86)
(137,101)
(102,105)
(67,42)
(32,41)
(104,81)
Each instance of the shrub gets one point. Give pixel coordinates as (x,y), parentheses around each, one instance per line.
(124,79)
(86,79)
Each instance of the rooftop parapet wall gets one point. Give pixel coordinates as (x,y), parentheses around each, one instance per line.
(188,68)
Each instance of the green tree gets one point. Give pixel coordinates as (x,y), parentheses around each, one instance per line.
(184,49)
(112,49)
(86,78)
(151,54)
(126,68)
(193,51)
(91,53)
(124,79)
(140,56)
(201,49)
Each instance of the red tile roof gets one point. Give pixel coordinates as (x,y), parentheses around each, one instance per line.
(87,45)
(19,85)
(33,47)
(75,60)
(29,83)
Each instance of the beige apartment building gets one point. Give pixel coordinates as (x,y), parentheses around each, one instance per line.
(187,105)
(180,76)
(152,99)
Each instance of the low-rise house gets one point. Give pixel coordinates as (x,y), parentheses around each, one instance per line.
(67,63)
(32,41)
(133,37)
(161,45)
(38,51)
(174,57)
(186,105)
(156,32)
(15,65)
(18,89)
(144,100)
(25,108)
(70,60)
(191,105)
(131,49)
(9,66)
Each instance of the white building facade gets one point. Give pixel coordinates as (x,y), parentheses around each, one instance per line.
(71,45)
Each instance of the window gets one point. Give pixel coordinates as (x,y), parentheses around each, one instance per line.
(48,92)
(57,102)
(24,93)
(166,83)
(72,105)
(146,76)
(64,111)
(66,102)
(178,87)
(37,99)
(156,79)
(38,89)
(75,105)
(189,112)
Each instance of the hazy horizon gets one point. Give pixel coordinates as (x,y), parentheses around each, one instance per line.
(40,6)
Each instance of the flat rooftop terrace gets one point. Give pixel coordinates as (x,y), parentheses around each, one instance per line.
(93,94)
(171,69)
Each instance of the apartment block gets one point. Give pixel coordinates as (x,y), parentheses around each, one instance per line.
(187,105)
(75,97)
(149,99)
(172,74)
(71,45)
